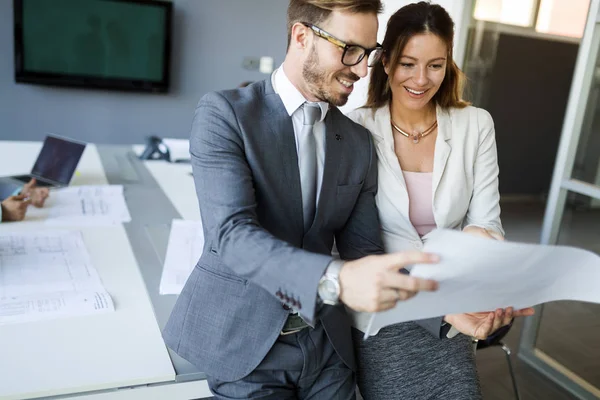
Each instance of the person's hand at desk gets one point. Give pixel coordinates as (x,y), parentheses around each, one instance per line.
(14,208)
(38,195)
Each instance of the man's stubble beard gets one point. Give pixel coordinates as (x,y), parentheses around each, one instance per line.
(316,78)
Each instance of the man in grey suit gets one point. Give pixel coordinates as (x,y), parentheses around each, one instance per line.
(280,173)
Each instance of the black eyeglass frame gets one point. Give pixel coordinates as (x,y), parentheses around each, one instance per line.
(345,46)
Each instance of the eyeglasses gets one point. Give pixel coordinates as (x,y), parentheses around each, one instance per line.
(353,53)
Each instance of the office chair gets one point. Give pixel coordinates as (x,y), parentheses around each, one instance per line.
(495,340)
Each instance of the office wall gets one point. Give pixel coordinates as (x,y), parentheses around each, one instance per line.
(210,40)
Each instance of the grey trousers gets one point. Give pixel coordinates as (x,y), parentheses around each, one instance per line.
(303,365)
(404,361)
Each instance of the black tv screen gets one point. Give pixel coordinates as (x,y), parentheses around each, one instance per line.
(113,44)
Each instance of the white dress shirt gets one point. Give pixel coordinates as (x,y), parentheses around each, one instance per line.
(293,100)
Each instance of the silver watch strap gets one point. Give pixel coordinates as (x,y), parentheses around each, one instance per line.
(334,268)
(332,272)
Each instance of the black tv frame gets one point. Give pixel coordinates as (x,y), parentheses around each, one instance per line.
(85,81)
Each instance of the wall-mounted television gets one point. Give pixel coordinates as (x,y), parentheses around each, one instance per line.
(112,44)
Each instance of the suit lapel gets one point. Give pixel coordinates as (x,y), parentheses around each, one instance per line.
(442,147)
(282,131)
(384,142)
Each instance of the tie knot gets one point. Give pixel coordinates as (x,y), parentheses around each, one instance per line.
(311,113)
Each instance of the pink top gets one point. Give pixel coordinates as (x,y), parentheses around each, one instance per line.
(420,191)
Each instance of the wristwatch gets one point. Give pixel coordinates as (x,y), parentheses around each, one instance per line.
(329,284)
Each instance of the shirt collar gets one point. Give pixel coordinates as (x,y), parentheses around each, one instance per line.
(290,96)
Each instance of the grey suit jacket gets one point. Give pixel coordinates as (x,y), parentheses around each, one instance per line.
(257,256)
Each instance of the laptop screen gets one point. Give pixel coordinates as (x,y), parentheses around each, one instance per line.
(58,159)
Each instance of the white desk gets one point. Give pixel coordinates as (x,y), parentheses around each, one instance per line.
(177,183)
(174,180)
(92,354)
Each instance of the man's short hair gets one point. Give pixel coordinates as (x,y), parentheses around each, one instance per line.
(316,11)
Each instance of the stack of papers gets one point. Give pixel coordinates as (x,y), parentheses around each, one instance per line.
(48,275)
(88,205)
(183,252)
(477,274)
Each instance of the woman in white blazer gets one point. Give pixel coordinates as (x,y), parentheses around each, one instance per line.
(437,169)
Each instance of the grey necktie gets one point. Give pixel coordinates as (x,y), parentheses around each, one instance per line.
(308,163)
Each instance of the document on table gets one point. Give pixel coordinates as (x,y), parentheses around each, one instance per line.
(477,274)
(48,275)
(88,205)
(186,241)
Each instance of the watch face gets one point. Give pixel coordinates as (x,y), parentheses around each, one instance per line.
(329,291)
(330,288)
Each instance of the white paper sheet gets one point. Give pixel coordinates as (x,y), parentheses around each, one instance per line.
(477,274)
(88,206)
(186,241)
(48,275)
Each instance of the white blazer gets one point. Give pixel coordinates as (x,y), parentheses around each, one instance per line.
(465,175)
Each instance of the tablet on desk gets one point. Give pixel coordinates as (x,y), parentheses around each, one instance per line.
(55,165)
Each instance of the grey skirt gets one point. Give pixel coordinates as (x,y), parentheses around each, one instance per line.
(404,361)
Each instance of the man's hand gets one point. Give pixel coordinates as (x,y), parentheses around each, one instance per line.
(375,283)
(480,325)
(14,208)
(38,195)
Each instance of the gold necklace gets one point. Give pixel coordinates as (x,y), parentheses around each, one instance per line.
(417,136)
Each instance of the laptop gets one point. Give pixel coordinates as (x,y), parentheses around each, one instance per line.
(54,166)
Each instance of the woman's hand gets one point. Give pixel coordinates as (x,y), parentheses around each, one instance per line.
(480,325)
(482,232)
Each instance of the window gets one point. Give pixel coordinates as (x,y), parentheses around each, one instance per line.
(564,18)
(512,12)
(555,17)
